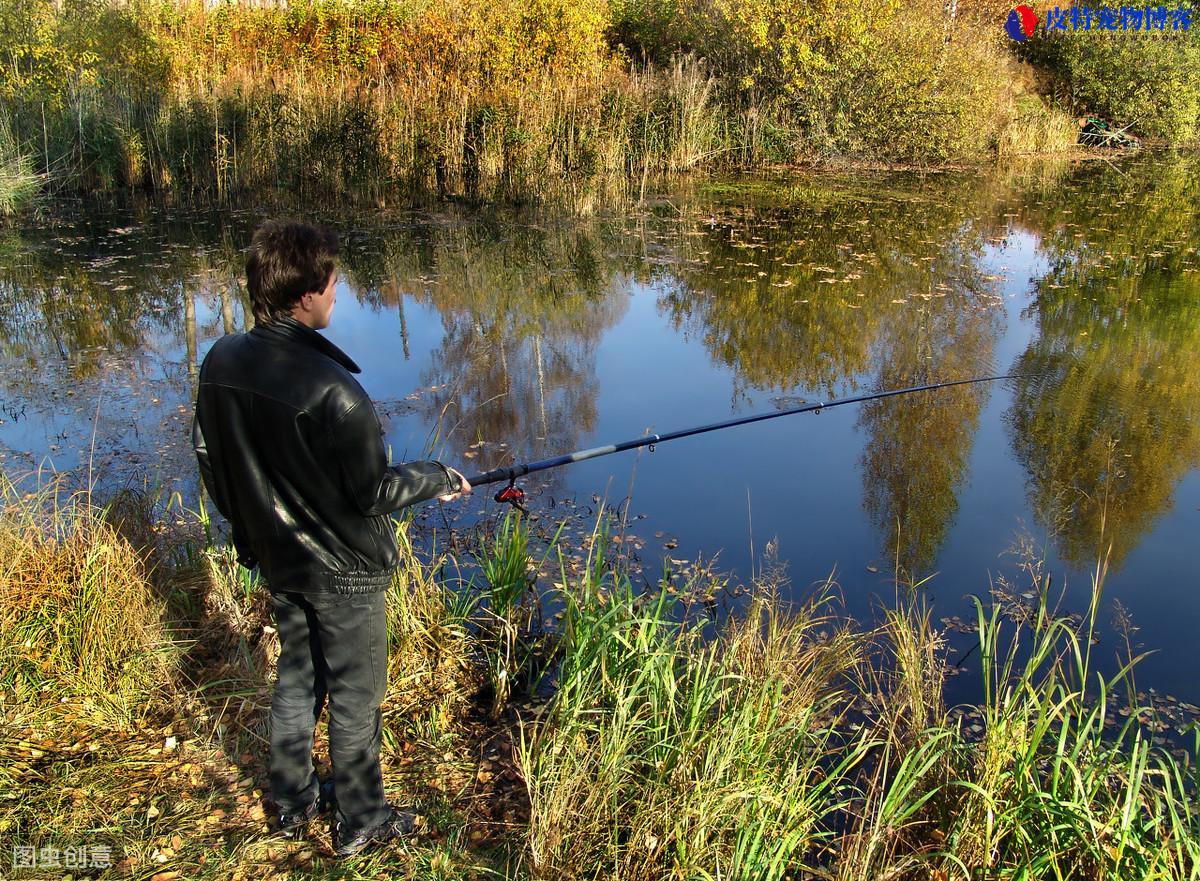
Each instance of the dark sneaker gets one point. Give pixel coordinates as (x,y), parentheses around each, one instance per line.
(348,842)
(292,825)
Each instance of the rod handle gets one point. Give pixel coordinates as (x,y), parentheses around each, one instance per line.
(497,475)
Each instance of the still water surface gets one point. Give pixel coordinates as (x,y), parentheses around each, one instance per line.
(493,337)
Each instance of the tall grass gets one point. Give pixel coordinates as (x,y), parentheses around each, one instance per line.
(511,101)
(80,615)
(19,184)
(667,756)
(785,741)
(792,744)
(478,100)
(431,658)
(136,655)
(1044,785)
(533,101)
(1049,791)
(1036,128)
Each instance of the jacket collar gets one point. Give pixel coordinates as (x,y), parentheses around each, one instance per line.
(288,329)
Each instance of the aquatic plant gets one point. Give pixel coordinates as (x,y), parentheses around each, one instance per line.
(19,184)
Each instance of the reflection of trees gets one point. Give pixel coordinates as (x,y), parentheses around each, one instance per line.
(57,310)
(796,293)
(917,445)
(100,334)
(839,284)
(1108,419)
(523,309)
(77,299)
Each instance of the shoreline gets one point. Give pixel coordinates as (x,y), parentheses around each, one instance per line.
(397,196)
(163,741)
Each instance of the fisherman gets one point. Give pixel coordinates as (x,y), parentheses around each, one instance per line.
(291,451)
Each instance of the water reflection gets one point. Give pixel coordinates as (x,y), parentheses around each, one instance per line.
(843,288)
(522,310)
(917,445)
(1111,423)
(795,293)
(797,290)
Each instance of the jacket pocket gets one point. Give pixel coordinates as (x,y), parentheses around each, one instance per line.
(386,551)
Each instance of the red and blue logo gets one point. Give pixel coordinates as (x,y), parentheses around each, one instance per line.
(1021,22)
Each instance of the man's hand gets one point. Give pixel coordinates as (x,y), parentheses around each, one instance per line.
(463,490)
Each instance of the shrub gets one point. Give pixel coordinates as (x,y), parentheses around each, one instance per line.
(872,78)
(1149,83)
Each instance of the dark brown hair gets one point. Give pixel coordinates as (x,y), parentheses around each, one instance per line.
(287,259)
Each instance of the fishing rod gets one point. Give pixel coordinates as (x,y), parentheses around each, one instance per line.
(514,495)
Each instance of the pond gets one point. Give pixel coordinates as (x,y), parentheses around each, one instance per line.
(488,337)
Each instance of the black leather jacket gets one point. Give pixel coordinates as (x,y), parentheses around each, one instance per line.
(291,452)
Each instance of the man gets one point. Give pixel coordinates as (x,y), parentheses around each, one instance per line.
(291,452)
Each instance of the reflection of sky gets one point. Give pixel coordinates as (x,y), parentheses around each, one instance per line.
(1019,263)
(798,479)
(791,477)
(372,339)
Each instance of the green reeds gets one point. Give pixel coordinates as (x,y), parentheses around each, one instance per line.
(19,184)
(1048,784)
(791,744)
(665,755)
(510,621)
(1056,788)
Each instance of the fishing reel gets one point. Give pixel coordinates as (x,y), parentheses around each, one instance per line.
(512,495)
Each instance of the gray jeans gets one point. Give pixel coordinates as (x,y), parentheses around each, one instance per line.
(331,645)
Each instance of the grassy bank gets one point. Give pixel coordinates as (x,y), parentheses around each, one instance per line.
(519,101)
(632,740)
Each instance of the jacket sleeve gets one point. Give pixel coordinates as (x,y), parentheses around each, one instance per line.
(376,487)
(245,555)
